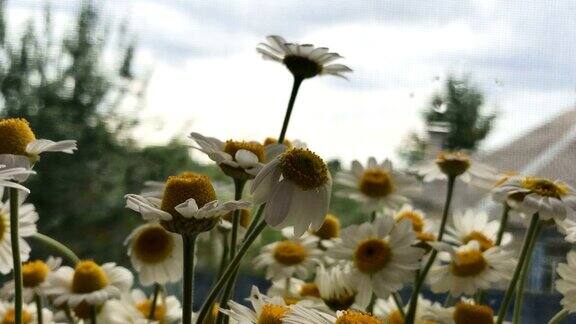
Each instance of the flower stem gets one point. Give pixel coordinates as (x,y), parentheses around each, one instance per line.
(15,240)
(93,316)
(188,290)
(503,223)
(38,301)
(293,94)
(420,277)
(372,216)
(398,301)
(57,246)
(559,316)
(152,314)
(521,260)
(224,257)
(230,269)
(523,275)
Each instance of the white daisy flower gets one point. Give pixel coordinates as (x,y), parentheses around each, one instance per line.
(456,164)
(567,284)
(89,283)
(20,148)
(304,61)
(29,314)
(135,307)
(300,314)
(568,228)
(296,187)
(380,256)
(466,311)
(34,274)
(293,256)
(376,186)
(27,218)
(530,195)
(337,288)
(155,254)
(424,227)
(388,310)
(8,176)
(328,232)
(472,225)
(269,310)
(467,269)
(294,290)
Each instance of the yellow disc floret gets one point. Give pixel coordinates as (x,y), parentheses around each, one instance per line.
(271,140)
(231,147)
(395,317)
(414,217)
(290,253)
(188,185)
(376,183)
(10,317)
(484,242)
(272,314)
(304,168)
(357,317)
(88,277)
(468,263)
(3,225)
(329,229)
(467,313)
(153,244)
(309,289)
(372,255)
(16,134)
(245,217)
(453,164)
(34,273)
(159,311)
(545,187)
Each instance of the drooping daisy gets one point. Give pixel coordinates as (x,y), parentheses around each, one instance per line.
(269,310)
(530,195)
(155,253)
(27,218)
(380,256)
(188,205)
(376,186)
(8,176)
(467,311)
(472,225)
(388,310)
(303,315)
(294,290)
(29,314)
(136,308)
(303,61)
(466,269)
(293,256)
(296,188)
(34,274)
(455,164)
(424,227)
(337,288)
(88,282)
(20,148)
(567,284)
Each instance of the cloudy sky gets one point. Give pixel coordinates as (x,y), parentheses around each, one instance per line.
(208,78)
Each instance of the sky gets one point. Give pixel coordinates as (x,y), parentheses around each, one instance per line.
(206,76)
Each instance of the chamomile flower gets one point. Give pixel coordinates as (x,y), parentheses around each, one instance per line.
(529,195)
(568,228)
(296,187)
(269,310)
(29,314)
(300,314)
(34,274)
(303,61)
(27,218)
(467,269)
(8,176)
(455,164)
(471,225)
(20,148)
(424,227)
(294,290)
(467,311)
(155,253)
(376,185)
(293,256)
(567,284)
(337,288)
(135,307)
(380,256)
(329,231)
(388,310)
(88,282)
(188,205)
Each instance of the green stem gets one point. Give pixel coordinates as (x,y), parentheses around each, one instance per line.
(503,223)
(152,314)
(559,316)
(521,260)
(411,315)
(224,257)
(57,246)
(230,270)
(15,240)
(188,289)
(372,216)
(398,301)
(523,275)
(93,313)
(372,303)
(293,94)
(40,316)
(255,221)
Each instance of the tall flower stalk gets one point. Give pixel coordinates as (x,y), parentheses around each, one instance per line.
(15,239)
(188,289)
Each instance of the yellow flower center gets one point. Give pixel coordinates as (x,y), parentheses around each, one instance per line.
(290,253)
(330,228)
(341,302)
(34,273)
(426,236)
(3,225)
(395,317)
(309,289)
(468,263)
(304,168)
(16,134)
(245,217)
(153,244)
(545,187)
(485,242)
(10,317)
(159,311)
(466,313)
(356,317)
(291,300)
(415,218)
(372,255)
(83,310)
(302,67)
(231,147)
(88,277)
(272,314)
(271,140)
(182,187)
(376,183)
(453,163)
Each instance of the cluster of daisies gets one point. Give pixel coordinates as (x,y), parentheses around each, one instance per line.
(319,271)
